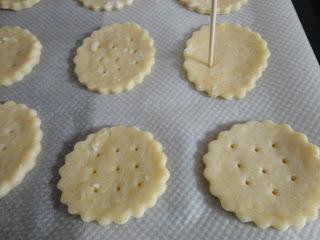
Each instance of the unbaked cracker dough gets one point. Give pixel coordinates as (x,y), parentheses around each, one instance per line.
(265,173)
(240,58)
(114,174)
(20,51)
(204,6)
(20,144)
(108,5)
(115,58)
(17,4)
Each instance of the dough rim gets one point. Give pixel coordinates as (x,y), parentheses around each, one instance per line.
(230,8)
(4,4)
(98,7)
(33,60)
(31,160)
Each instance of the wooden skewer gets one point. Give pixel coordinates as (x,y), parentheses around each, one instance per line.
(212,31)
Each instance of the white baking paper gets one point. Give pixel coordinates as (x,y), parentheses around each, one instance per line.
(166,104)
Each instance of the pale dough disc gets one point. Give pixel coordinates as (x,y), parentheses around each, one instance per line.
(20,51)
(17,4)
(105,5)
(240,58)
(265,173)
(115,58)
(204,6)
(20,144)
(114,174)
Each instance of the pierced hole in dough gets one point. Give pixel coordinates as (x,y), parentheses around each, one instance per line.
(136,62)
(117,59)
(232,146)
(131,39)
(285,161)
(11,131)
(275,192)
(96,188)
(239,165)
(118,169)
(294,178)
(3,148)
(139,184)
(136,166)
(98,155)
(247,182)
(136,149)
(264,171)
(274,145)
(257,149)
(94,171)
(117,150)
(119,69)
(118,189)
(113,46)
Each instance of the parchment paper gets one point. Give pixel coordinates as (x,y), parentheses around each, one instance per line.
(180,117)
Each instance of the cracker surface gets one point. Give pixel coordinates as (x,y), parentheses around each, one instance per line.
(265,173)
(20,51)
(240,58)
(114,174)
(20,144)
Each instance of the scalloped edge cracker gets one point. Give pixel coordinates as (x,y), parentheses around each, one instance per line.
(204,9)
(17,5)
(28,119)
(114,174)
(265,173)
(227,78)
(29,57)
(109,6)
(115,58)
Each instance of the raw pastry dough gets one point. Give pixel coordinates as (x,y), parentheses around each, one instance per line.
(204,6)
(265,173)
(17,4)
(108,5)
(20,144)
(240,58)
(114,174)
(115,58)
(20,51)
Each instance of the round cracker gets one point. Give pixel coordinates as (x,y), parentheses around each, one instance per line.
(20,144)
(115,58)
(20,51)
(17,4)
(265,173)
(240,58)
(204,6)
(114,174)
(106,5)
